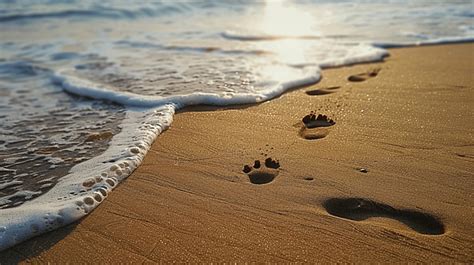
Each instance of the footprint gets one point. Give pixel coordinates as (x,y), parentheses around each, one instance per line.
(322,91)
(262,174)
(359,209)
(364,76)
(313,126)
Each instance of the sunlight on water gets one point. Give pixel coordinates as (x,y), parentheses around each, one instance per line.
(291,51)
(281,18)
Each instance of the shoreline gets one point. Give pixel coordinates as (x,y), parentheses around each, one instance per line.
(409,127)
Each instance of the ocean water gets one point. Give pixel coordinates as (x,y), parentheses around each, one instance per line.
(87,86)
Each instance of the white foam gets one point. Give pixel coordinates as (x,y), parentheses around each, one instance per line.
(27,194)
(54,209)
(86,88)
(11,183)
(434,41)
(345,41)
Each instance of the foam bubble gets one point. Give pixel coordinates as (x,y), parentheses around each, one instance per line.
(88,183)
(134,150)
(98,197)
(88,201)
(102,191)
(110,182)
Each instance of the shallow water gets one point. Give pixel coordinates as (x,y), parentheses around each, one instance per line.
(86,87)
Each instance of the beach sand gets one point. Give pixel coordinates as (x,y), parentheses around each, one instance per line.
(389,180)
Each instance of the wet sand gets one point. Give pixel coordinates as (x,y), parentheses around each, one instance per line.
(381,171)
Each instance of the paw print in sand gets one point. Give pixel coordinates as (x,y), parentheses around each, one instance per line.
(262,174)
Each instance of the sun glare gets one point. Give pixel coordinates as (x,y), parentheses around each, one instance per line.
(282,19)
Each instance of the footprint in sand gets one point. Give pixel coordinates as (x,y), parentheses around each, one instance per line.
(314,126)
(359,209)
(322,91)
(262,174)
(364,76)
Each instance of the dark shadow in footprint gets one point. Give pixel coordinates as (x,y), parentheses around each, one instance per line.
(262,174)
(313,121)
(322,91)
(359,209)
(313,126)
(364,76)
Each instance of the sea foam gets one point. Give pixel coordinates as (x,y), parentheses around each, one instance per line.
(88,183)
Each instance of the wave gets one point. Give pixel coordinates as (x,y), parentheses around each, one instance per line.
(88,183)
(347,39)
(428,42)
(21,68)
(97,12)
(248,36)
(182,48)
(103,11)
(89,89)
(110,13)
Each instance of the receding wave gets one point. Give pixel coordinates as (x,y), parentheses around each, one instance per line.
(45,132)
